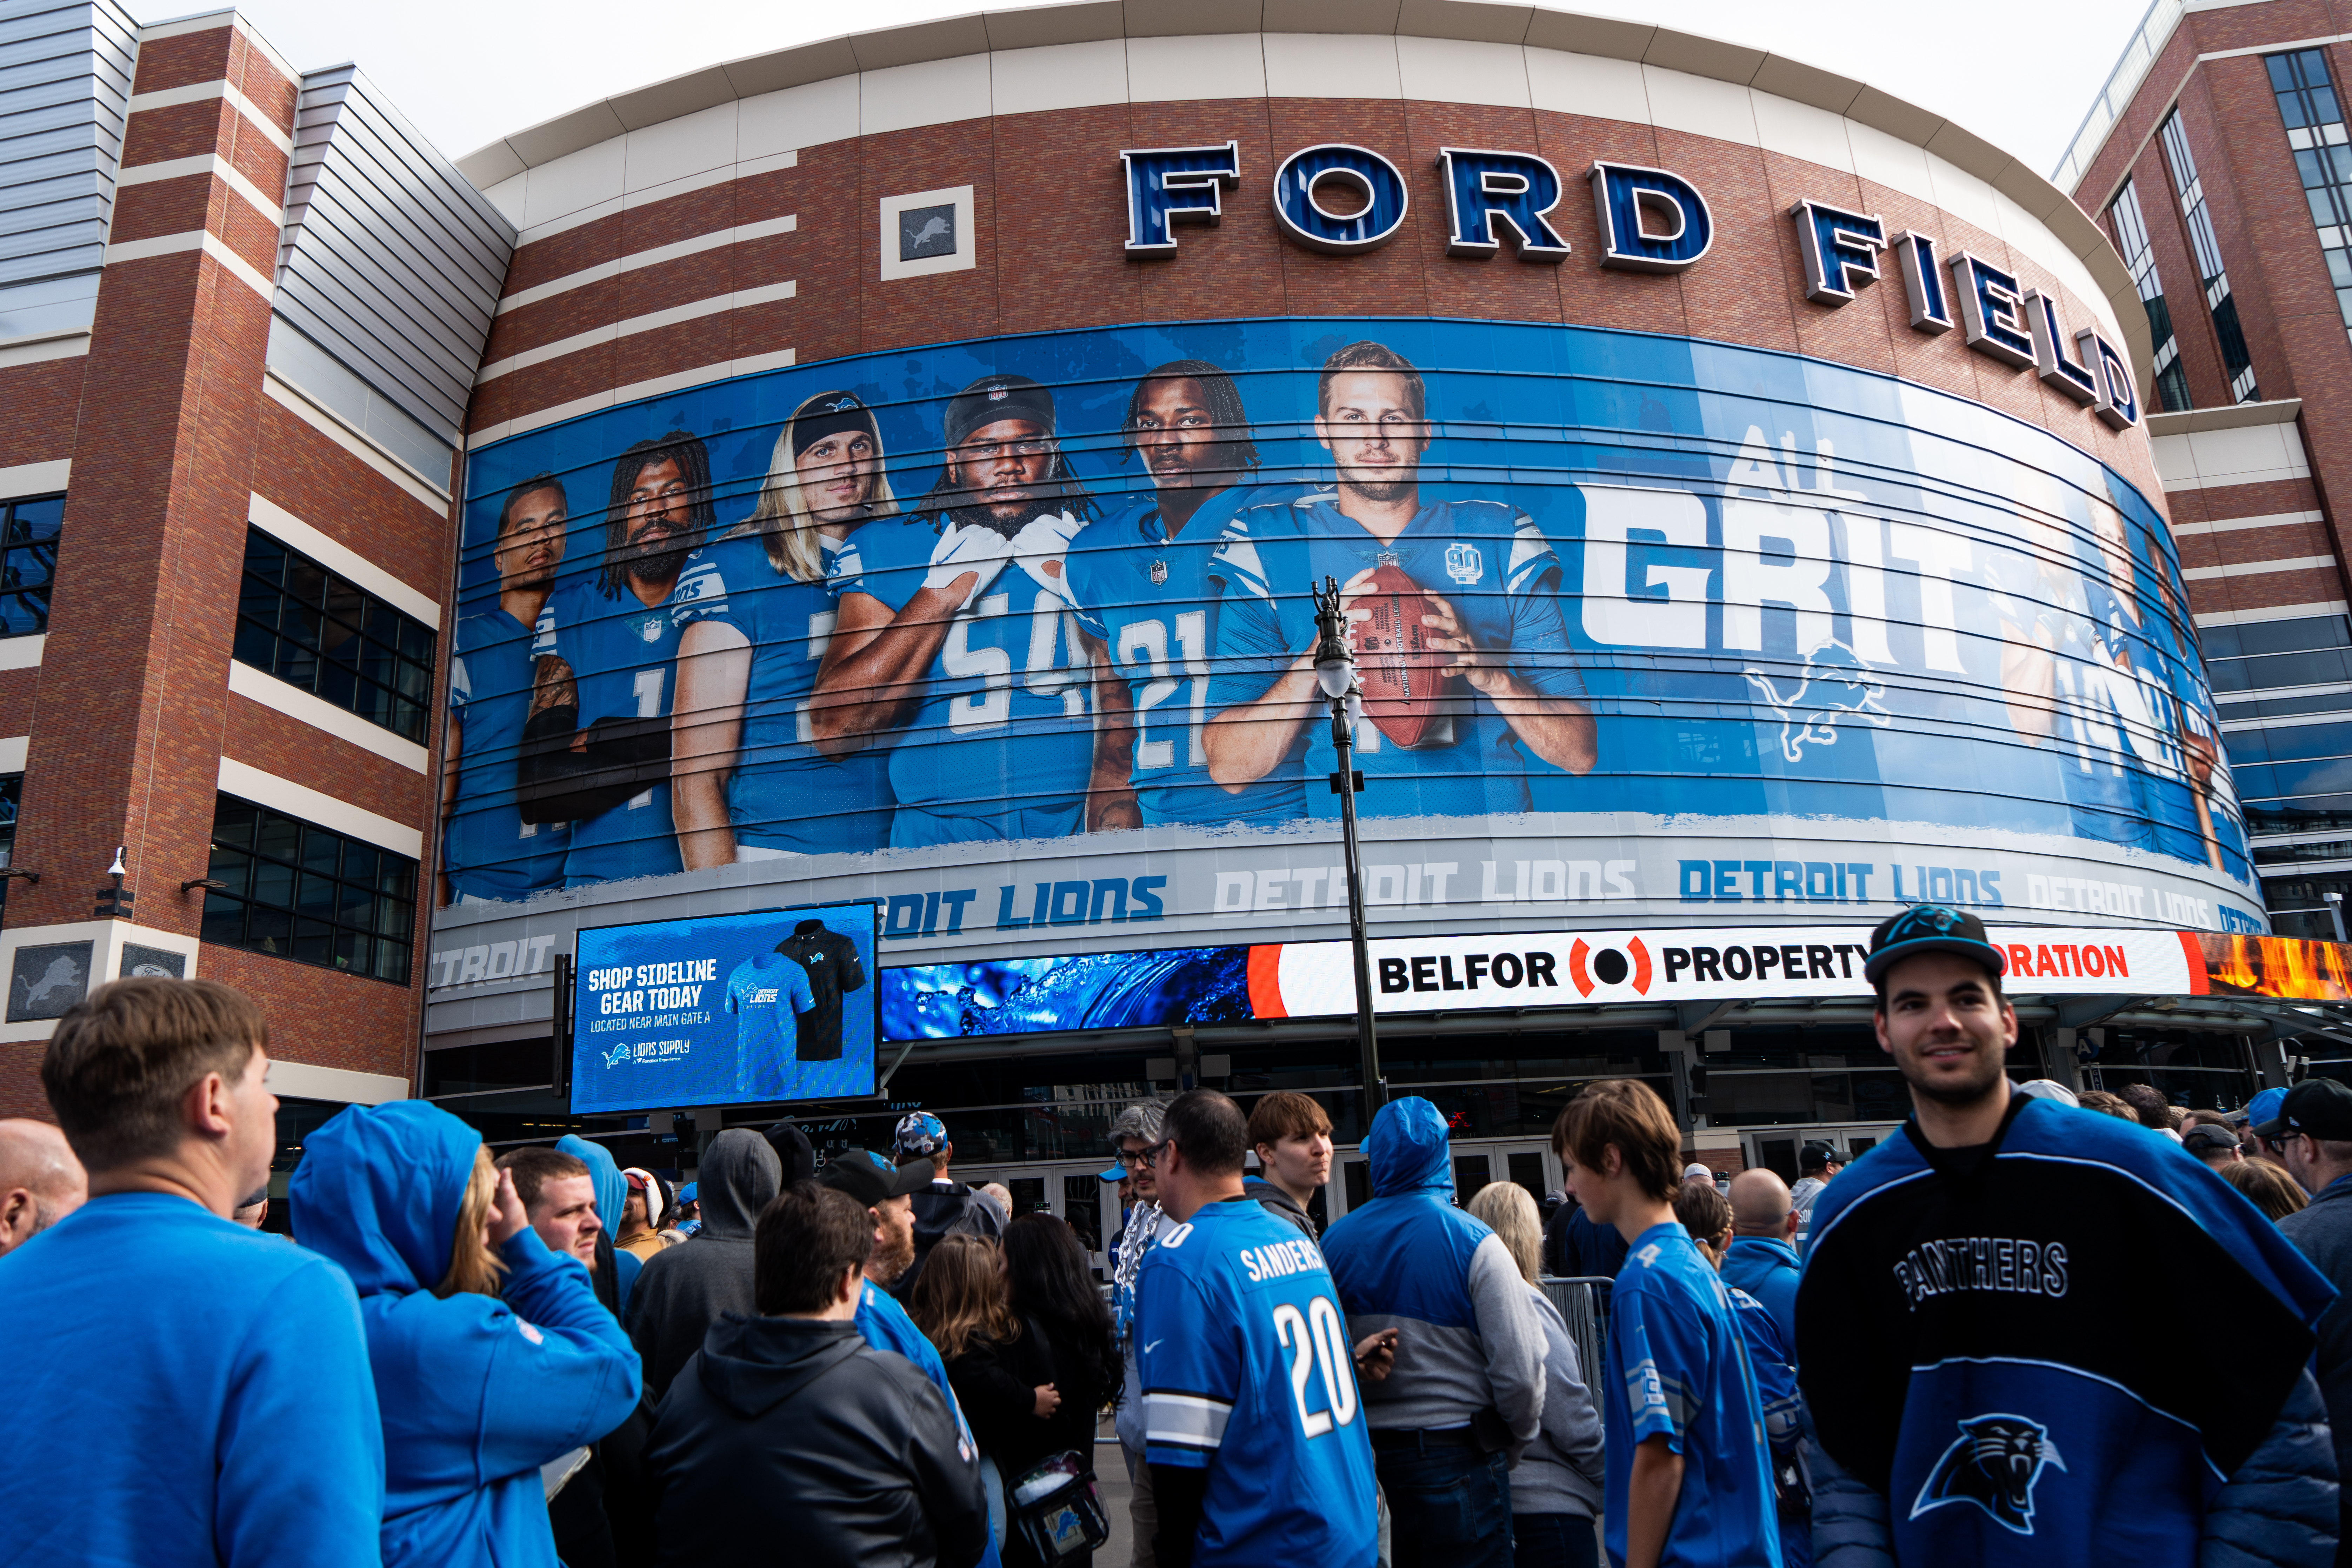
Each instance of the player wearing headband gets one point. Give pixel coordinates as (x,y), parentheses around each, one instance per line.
(756,609)
(958,649)
(1146,585)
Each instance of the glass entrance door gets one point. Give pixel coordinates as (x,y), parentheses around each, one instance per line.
(1069,1191)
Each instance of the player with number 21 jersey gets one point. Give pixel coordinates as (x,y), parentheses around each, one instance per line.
(1247,1373)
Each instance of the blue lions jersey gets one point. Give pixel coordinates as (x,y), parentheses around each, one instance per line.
(489,851)
(767,994)
(1487,559)
(1001,743)
(1247,1373)
(785,793)
(624,655)
(1678,1369)
(1153,602)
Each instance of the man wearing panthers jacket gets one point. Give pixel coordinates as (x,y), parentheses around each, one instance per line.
(1999,1364)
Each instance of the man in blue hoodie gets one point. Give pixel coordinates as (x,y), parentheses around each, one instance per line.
(478,1391)
(1761,1262)
(1466,1395)
(202,1391)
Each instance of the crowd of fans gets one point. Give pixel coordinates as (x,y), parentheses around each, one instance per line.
(1946,1352)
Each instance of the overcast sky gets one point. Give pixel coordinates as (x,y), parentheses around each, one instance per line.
(2020,73)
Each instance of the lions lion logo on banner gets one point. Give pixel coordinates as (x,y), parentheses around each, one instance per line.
(1837,685)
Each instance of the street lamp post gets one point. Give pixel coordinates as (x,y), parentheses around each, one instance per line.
(1335,674)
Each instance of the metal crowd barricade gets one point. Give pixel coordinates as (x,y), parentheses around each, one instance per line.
(1583,1303)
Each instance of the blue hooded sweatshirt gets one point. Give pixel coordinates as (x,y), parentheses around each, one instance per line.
(1468,1338)
(188,1393)
(611,1197)
(476,1392)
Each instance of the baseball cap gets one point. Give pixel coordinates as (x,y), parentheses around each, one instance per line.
(871,1179)
(686,1193)
(1115,1172)
(1929,928)
(2048,1089)
(996,397)
(2264,1106)
(1697,1172)
(2318,1106)
(920,1132)
(2205,1136)
(1817,1156)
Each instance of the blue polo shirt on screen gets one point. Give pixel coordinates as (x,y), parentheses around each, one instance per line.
(1678,1370)
(767,994)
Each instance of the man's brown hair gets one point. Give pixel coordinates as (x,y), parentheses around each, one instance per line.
(1287,1113)
(1628,1114)
(1369,355)
(123,1057)
(536,1166)
(2107,1104)
(807,1238)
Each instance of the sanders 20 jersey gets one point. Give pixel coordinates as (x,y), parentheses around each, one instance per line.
(1489,561)
(784,793)
(1247,1371)
(1153,602)
(490,852)
(1001,743)
(768,993)
(623,654)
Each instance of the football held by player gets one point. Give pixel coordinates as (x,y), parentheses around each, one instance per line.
(960,638)
(489,853)
(1145,584)
(597,746)
(756,609)
(1497,620)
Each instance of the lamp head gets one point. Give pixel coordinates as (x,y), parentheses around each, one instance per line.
(118,869)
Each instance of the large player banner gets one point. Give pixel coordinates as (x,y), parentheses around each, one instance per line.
(1014,634)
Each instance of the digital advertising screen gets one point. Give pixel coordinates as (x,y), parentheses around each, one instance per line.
(729,1010)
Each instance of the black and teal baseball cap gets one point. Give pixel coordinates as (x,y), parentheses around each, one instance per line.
(1929,928)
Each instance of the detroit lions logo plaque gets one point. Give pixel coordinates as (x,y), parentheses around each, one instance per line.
(1994,1463)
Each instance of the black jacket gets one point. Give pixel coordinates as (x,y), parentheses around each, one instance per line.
(792,1439)
(1280,1205)
(948,1208)
(2323,1231)
(831,960)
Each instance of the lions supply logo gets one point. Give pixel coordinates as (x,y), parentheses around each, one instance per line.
(1836,686)
(617,1055)
(1464,563)
(1994,1464)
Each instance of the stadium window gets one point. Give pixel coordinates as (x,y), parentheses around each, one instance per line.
(2236,359)
(2314,131)
(325,633)
(29,566)
(2132,243)
(298,891)
(12,790)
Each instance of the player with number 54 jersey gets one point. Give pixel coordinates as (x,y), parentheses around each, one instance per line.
(1247,1373)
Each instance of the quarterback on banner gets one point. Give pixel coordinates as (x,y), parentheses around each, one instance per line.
(1485,583)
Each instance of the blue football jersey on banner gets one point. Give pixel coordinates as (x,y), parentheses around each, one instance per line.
(1001,743)
(1488,560)
(785,793)
(624,655)
(490,852)
(1678,1369)
(767,994)
(1153,600)
(1247,1371)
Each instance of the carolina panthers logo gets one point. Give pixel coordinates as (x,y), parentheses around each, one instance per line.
(617,1055)
(1837,685)
(1921,921)
(1994,1463)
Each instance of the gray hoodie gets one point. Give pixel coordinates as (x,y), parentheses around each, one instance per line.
(1560,1472)
(685,1287)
